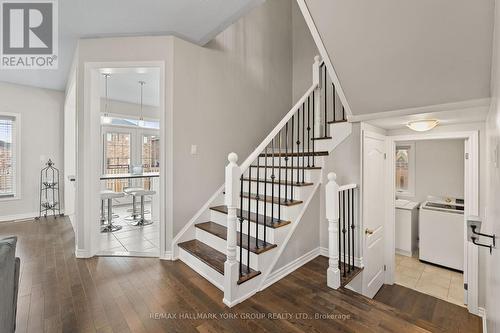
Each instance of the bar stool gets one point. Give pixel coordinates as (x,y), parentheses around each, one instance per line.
(109,196)
(130,191)
(142,193)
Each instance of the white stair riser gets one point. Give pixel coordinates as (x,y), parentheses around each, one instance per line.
(297,190)
(323,145)
(286,174)
(220,245)
(203,269)
(221,219)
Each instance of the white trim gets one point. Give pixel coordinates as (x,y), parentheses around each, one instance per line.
(324,54)
(347,187)
(473,103)
(283,245)
(167,255)
(87,207)
(471,253)
(323,251)
(481,312)
(82,254)
(412,186)
(18,217)
(291,266)
(17,157)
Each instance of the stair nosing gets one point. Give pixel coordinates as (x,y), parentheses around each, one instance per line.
(322,138)
(254,180)
(310,168)
(295,154)
(270,199)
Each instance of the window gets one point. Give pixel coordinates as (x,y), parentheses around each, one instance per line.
(405,169)
(8,155)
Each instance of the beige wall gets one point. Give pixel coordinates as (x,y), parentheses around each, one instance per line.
(492,223)
(41,112)
(304,51)
(228,96)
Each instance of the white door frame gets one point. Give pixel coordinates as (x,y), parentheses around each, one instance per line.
(471,192)
(88,201)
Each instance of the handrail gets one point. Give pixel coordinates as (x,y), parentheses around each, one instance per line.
(347,187)
(253,156)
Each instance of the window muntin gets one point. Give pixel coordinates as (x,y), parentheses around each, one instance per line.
(8,176)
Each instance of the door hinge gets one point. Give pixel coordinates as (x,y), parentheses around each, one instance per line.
(466,156)
(385,268)
(385,156)
(466,286)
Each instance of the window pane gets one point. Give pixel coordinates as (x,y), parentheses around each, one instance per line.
(150,155)
(402,166)
(7,167)
(117,153)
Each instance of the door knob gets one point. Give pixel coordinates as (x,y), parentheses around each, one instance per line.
(368,231)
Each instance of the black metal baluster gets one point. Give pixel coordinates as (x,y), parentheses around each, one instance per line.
(241,225)
(353,193)
(291,171)
(265,199)
(334,103)
(257,202)
(273,176)
(343,229)
(298,146)
(339,230)
(286,162)
(248,220)
(343,113)
(348,233)
(314,129)
(326,102)
(303,140)
(308,131)
(279,175)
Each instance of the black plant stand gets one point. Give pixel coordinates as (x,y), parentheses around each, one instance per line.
(49,191)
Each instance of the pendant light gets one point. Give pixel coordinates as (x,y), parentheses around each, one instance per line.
(106,119)
(141,119)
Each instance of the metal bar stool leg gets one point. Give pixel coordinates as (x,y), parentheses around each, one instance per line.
(103,213)
(142,221)
(110,227)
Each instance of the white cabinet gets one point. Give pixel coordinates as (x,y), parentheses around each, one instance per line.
(406,227)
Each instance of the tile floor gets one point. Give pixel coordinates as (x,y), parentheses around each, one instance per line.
(131,240)
(429,279)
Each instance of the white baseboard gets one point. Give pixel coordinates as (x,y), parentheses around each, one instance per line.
(290,267)
(167,255)
(481,312)
(18,217)
(82,254)
(323,251)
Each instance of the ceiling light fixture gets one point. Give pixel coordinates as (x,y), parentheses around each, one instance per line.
(422,125)
(141,119)
(106,119)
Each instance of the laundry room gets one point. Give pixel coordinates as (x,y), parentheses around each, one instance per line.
(429,217)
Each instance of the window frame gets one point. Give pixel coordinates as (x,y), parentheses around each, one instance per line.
(411,170)
(16,143)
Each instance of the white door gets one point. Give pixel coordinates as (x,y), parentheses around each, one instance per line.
(374,173)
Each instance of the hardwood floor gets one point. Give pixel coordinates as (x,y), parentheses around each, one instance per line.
(59,293)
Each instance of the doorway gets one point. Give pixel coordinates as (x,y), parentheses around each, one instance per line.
(426,212)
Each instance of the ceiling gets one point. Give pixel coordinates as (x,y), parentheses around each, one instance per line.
(123,85)
(197,21)
(393,54)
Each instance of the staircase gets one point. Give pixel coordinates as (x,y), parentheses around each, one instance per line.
(236,239)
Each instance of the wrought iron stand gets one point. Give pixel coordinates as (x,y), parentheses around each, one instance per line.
(49,191)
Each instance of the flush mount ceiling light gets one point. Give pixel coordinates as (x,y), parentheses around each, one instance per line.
(422,125)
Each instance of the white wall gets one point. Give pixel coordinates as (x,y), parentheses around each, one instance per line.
(492,223)
(41,113)
(392,54)
(439,169)
(228,96)
(131,109)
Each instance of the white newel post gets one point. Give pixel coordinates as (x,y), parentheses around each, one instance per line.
(233,174)
(317,97)
(332,215)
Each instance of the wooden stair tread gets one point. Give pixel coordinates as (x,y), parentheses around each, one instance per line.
(271,199)
(294,154)
(337,121)
(349,276)
(288,167)
(271,223)
(213,258)
(221,232)
(283,182)
(322,138)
